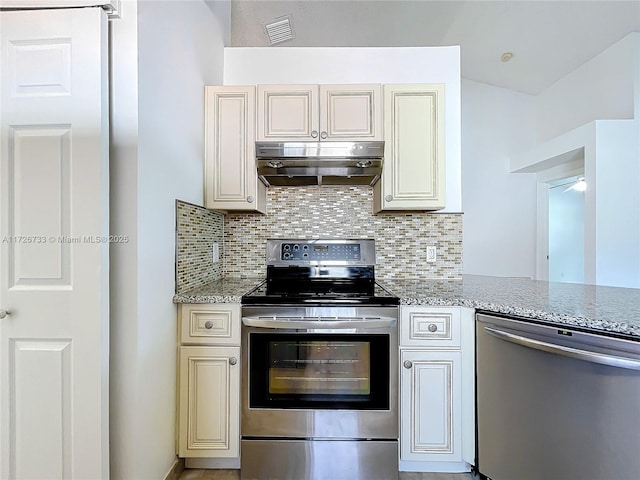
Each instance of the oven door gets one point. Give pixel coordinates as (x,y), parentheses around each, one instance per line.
(337,380)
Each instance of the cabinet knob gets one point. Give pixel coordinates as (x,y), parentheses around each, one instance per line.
(407,364)
(250,199)
(4,313)
(233,361)
(432,327)
(324,135)
(208,324)
(314,134)
(388,198)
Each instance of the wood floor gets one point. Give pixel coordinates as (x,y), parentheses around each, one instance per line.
(197,474)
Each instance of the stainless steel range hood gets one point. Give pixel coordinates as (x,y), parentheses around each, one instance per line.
(319,163)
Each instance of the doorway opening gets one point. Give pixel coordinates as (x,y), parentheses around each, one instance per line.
(566,230)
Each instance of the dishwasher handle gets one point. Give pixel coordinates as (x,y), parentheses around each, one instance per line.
(593,357)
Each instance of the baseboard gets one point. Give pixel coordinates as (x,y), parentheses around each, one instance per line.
(215,463)
(176,470)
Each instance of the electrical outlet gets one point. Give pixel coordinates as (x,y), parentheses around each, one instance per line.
(431,253)
(215,253)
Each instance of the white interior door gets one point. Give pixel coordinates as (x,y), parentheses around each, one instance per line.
(53,244)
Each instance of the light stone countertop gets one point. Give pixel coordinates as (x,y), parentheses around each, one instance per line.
(226,290)
(608,309)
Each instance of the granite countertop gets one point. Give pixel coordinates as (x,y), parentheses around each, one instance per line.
(608,309)
(226,290)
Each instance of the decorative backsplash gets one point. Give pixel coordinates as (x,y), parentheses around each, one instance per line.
(196,230)
(345,212)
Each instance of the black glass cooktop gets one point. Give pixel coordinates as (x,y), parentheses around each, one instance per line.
(320,285)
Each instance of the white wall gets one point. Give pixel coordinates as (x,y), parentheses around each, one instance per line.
(499,227)
(602,88)
(180,50)
(249,66)
(590,112)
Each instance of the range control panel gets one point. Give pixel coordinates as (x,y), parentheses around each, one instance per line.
(320,251)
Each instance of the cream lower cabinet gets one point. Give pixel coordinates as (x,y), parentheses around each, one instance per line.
(436,389)
(413,175)
(209,381)
(231,180)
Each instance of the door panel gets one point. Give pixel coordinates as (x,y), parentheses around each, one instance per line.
(54,244)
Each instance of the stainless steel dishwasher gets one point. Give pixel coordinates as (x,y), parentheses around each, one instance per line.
(556,403)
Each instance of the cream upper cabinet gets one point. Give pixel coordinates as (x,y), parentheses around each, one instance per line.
(231,180)
(319,112)
(413,176)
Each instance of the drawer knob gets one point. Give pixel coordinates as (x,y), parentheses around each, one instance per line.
(432,327)
(407,364)
(233,361)
(250,199)
(388,198)
(208,324)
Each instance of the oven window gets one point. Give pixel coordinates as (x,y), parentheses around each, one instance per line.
(319,370)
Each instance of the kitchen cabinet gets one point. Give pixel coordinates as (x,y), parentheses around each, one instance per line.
(209,381)
(231,181)
(436,389)
(413,176)
(319,112)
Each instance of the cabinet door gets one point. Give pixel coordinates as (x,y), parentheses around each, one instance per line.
(288,113)
(231,179)
(209,399)
(430,427)
(413,176)
(351,112)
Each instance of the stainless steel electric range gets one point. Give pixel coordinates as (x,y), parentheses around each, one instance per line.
(320,356)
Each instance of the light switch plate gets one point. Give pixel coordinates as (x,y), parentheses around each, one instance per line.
(431,253)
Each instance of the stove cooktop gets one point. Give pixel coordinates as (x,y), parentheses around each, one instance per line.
(320,272)
(326,294)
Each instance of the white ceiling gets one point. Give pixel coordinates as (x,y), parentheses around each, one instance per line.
(548,38)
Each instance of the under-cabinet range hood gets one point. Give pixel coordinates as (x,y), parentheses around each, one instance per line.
(319,163)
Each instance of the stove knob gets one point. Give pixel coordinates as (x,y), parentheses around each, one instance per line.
(286,255)
(275,164)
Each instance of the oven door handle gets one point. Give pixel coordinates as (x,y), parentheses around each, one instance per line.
(300,324)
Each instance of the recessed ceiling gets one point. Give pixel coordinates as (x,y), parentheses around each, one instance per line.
(548,39)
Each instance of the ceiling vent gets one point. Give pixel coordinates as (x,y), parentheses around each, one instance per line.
(280,30)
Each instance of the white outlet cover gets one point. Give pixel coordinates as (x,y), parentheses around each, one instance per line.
(431,253)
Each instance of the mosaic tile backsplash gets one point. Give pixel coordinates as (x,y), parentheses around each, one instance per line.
(345,212)
(196,230)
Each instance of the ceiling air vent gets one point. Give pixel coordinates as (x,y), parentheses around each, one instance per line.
(280,30)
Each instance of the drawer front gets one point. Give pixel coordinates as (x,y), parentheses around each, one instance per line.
(210,325)
(432,326)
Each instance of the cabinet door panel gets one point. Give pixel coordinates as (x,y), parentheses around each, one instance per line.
(414,172)
(209,419)
(288,112)
(231,180)
(430,402)
(351,112)
(437,327)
